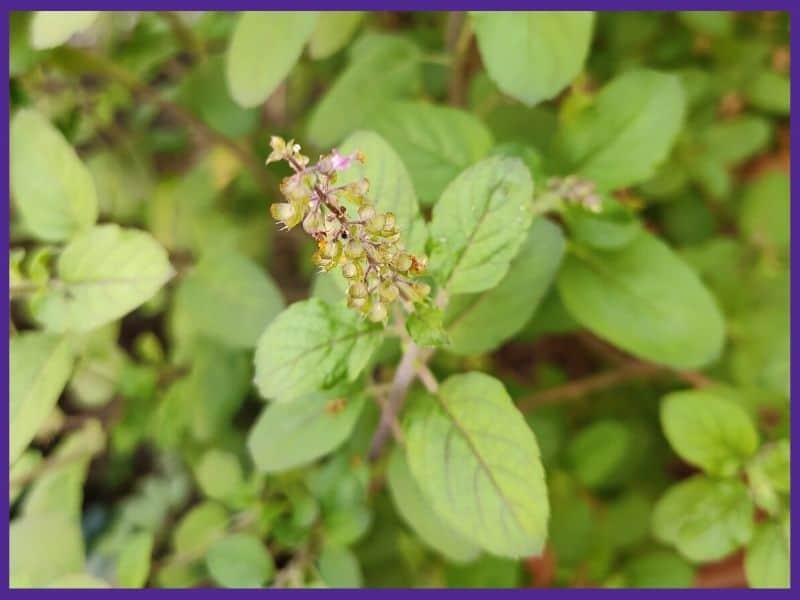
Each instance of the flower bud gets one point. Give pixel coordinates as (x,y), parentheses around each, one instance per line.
(376,223)
(365,213)
(378,312)
(388,291)
(403,263)
(354,249)
(350,270)
(314,222)
(357,289)
(357,303)
(389,222)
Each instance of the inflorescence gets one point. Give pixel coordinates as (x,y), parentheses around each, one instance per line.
(367,247)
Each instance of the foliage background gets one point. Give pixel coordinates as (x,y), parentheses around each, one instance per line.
(136,438)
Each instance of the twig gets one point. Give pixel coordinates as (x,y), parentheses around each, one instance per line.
(184,34)
(427,378)
(460,35)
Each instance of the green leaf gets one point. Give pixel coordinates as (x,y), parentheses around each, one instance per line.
(425,327)
(658,569)
(614,227)
(436,142)
(710,22)
(334,29)
(768,476)
(229,298)
(293,434)
(133,562)
(766,562)
(532,56)
(382,68)
(79,581)
(708,430)
(51,28)
(479,225)
(307,348)
(644,299)
(476,460)
(415,509)
(339,568)
(764,212)
(770,92)
(598,451)
(52,189)
(628,130)
(478,323)
(103,274)
(731,142)
(239,560)
(263,49)
(41,365)
(219,474)
(35,560)
(199,528)
(390,187)
(704,519)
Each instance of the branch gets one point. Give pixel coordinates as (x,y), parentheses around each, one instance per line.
(71,56)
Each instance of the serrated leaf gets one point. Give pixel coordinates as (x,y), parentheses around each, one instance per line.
(425,327)
(229,298)
(766,562)
(436,142)
(644,299)
(415,509)
(52,189)
(51,28)
(479,224)
(704,519)
(333,30)
(291,435)
(628,130)
(708,430)
(382,68)
(476,460)
(307,348)
(103,274)
(478,323)
(239,560)
(41,365)
(532,56)
(263,49)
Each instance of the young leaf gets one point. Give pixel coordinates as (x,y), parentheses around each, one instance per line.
(766,562)
(382,68)
(198,528)
(229,298)
(51,28)
(41,365)
(219,474)
(307,348)
(133,562)
(628,130)
(294,434)
(390,187)
(598,451)
(479,224)
(339,568)
(425,327)
(43,548)
(263,49)
(704,519)
(476,460)
(436,142)
(708,431)
(532,56)
(644,299)
(478,323)
(415,509)
(334,29)
(764,213)
(658,569)
(239,560)
(103,274)
(52,189)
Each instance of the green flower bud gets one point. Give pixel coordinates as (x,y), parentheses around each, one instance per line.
(282,211)
(375,224)
(358,303)
(354,249)
(365,213)
(389,222)
(388,291)
(357,289)
(350,270)
(378,312)
(403,263)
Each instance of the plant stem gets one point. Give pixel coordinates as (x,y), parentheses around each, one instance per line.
(460,34)
(72,57)
(184,33)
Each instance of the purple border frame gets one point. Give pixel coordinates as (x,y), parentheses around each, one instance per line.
(793,8)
